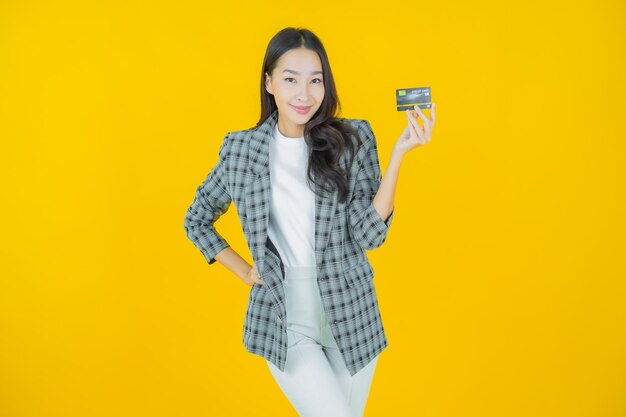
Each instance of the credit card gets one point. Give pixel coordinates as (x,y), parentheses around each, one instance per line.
(406,98)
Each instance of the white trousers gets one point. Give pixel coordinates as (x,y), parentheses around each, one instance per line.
(316,380)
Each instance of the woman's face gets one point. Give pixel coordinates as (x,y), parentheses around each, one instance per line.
(297,85)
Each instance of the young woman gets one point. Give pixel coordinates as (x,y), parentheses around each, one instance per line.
(311,199)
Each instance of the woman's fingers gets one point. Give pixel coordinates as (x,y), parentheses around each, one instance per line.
(414,125)
(256,278)
(426,120)
(415,130)
(432,114)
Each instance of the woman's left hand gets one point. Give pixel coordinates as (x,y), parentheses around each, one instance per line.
(413,135)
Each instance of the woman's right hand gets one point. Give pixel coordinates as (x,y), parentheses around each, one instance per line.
(252,277)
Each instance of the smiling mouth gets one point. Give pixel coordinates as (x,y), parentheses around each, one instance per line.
(301,108)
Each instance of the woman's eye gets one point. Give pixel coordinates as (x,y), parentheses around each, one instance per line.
(316,79)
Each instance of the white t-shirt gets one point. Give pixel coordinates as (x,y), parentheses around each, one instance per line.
(292,202)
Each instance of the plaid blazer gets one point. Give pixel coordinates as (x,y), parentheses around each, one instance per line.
(343,231)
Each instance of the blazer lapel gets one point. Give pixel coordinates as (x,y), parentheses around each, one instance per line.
(257,194)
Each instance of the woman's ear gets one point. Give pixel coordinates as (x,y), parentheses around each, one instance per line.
(268,84)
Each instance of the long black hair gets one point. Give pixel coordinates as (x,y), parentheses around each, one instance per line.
(326,136)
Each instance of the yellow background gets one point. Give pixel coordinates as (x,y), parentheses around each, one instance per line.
(501,283)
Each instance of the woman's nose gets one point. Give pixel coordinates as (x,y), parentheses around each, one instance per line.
(303,94)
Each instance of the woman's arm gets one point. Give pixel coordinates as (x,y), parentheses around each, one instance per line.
(366,218)
(412,136)
(234,263)
(384,198)
(211,201)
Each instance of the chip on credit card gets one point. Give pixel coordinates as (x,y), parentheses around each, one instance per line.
(407,98)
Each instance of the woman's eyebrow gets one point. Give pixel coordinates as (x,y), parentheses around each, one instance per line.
(296,72)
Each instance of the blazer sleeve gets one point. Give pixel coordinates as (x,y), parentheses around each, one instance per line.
(367,227)
(212,200)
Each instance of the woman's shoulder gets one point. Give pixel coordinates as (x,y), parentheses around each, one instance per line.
(364,128)
(237,136)
(352,121)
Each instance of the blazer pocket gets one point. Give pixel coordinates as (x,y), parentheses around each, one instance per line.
(359,274)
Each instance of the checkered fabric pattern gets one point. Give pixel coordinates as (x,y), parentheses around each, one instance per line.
(343,232)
